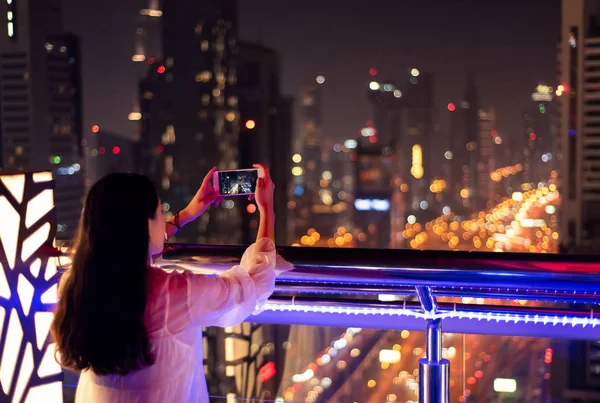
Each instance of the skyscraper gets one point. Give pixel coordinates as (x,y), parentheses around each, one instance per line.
(147,47)
(402,124)
(576,368)
(307,169)
(488,139)
(464,133)
(416,145)
(265,117)
(395,152)
(40,122)
(579,136)
(189,107)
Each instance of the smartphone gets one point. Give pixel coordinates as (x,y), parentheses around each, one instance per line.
(238,182)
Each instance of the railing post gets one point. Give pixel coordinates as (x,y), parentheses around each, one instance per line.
(434,371)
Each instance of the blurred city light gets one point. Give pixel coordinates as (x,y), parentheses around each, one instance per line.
(417,162)
(389,356)
(134,116)
(503,385)
(367,131)
(350,143)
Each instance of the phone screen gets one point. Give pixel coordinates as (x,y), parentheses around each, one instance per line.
(242,182)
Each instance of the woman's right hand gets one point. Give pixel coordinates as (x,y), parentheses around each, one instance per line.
(264,190)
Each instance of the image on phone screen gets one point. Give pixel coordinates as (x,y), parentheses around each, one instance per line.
(242,182)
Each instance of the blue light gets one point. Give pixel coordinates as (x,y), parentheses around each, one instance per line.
(516,318)
(372,204)
(572,132)
(299,191)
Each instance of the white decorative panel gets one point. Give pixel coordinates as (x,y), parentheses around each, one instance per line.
(39,206)
(35,267)
(28,286)
(9,231)
(15,185)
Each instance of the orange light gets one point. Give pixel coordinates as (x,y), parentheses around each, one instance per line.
(95,129)
(250,124)
(251,208)
(451,107)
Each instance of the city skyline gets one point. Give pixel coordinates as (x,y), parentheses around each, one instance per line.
(462,42)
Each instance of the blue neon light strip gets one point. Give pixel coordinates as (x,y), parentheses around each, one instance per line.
(543,319)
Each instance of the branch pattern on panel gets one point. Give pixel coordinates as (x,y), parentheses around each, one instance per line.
(28,290)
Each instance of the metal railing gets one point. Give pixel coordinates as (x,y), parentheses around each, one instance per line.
(514,294)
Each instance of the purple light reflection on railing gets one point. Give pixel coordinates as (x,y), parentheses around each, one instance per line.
(247,399)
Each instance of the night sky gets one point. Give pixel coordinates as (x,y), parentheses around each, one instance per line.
(510,45)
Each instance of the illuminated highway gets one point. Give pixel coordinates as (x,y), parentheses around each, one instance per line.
(526,222)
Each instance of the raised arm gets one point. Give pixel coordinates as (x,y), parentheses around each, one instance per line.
(228,299)
(204,197)
(264,200)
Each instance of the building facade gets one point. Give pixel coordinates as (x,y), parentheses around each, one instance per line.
(40,101)
(464,150)
(147,48)
(576,365)
(579,136)
(190,115)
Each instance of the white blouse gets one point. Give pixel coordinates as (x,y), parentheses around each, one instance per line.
(181,304)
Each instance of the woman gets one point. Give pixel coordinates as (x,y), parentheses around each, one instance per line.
(134,331)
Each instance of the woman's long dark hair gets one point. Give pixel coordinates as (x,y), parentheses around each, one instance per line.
(99,321)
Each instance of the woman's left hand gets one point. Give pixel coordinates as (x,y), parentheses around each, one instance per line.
(205,196)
